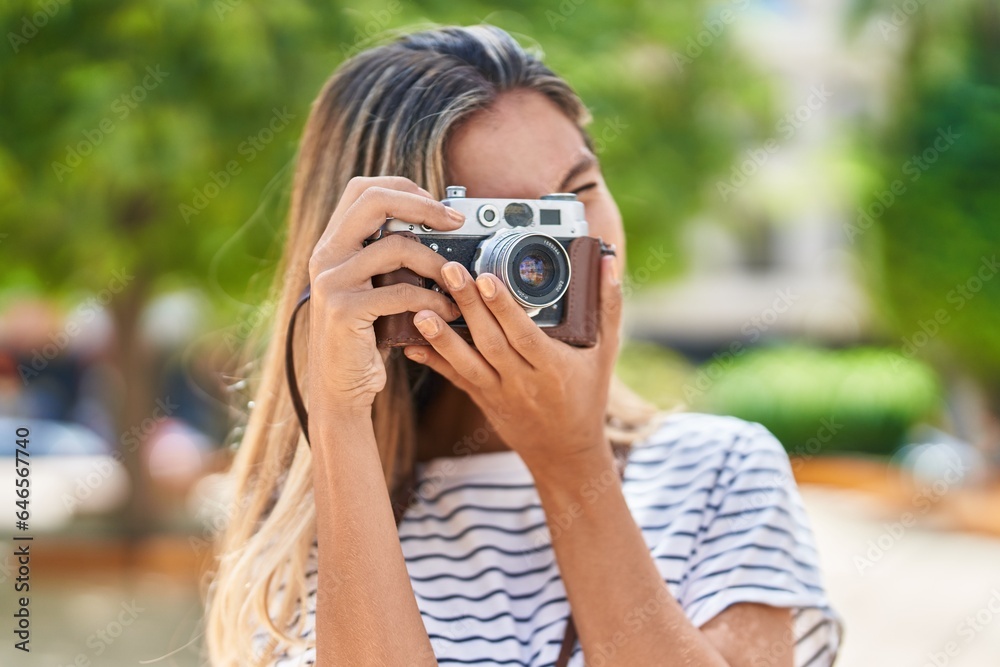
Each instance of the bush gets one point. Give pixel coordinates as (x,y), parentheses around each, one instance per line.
(857,400)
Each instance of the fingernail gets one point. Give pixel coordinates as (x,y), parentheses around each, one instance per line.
(486,286)
(453,275)
(455,311)
(613,270)
(457,216)
(427,324)
(415,354)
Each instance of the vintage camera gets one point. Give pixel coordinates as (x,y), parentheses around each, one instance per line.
(539,248)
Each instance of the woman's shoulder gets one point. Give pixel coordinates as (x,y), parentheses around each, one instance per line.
(717,498)
(715,460)
(681,437)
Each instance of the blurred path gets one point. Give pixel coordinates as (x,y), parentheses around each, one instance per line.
(908,595)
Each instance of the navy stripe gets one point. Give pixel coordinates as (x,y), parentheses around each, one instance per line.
(766,568)
(461,508)
(465,640)
(485,547)
(512,575)
(761,547)
(718,447)
(497,640)
(478,662)
(825,648)
(776,589)
(716,444)
(461,487)
(716,507)
(742,512)
(686,499)
(800,580)
(502,614)
(702,462)
(764,526)
(715,472)
(733,516)
(710,489)
(724,589)
(812,630)
(558,642)
(459,596)
(479,526)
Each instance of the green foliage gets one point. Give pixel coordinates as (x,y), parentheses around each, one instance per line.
(157,136)
(936,243)
(120,120)
(863,399)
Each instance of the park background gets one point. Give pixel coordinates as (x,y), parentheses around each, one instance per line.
(810,189)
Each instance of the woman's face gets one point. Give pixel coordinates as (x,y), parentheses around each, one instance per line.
(524,146)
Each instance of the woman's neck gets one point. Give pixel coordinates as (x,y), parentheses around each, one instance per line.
(453,425)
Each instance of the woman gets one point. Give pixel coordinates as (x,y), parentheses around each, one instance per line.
(701,556)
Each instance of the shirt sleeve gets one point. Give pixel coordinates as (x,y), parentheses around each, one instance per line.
(755,545)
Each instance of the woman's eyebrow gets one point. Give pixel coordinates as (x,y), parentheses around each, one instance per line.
(583,164)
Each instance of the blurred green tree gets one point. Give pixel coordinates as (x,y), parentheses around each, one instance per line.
(146,146)
(136,140)
(935,235)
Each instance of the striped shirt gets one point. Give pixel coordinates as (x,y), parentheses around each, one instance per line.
(718,508)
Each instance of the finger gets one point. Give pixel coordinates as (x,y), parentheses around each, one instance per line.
(489,336)
(526,337)
(610,308)
(357,185)
(346,232)
(428,356)
(467,361)
(399,298)
(370,210)
(395,251)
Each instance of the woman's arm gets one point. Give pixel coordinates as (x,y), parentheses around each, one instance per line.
(366,613)
(622,608)
(365,609)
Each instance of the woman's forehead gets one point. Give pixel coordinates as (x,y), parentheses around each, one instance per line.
(521,146)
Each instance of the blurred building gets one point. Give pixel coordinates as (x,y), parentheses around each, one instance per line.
(772,258)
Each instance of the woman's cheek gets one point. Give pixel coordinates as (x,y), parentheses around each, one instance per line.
(606,222)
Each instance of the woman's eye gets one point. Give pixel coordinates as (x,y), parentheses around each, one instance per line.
(584,188)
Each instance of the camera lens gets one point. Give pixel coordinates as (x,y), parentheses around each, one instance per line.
(534,267)
(535,270)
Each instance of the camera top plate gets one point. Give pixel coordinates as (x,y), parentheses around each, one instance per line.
(560,215)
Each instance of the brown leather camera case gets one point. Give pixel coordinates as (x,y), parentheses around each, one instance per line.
(580,316)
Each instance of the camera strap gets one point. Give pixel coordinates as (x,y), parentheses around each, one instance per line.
(408,491)
(293,383)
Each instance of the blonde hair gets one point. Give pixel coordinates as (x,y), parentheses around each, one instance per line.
(387,111)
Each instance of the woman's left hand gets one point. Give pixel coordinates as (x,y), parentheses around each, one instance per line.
(546,399)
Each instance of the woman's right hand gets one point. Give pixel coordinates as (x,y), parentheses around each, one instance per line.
(346,367)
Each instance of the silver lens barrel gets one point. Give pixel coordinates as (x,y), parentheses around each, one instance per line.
(534,267)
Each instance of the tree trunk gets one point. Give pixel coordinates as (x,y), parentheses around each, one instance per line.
(133,360)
